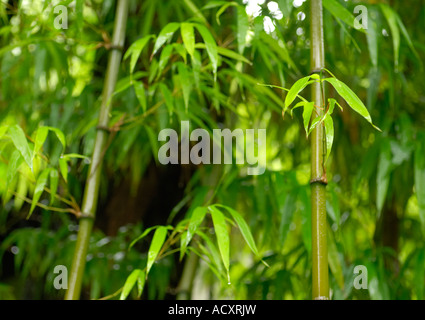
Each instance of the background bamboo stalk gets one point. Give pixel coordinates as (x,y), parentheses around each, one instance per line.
(318,173)
(91,191)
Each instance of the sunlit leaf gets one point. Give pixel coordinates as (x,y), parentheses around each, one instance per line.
(297,87)
(140,283)
(242,28)
(329,128)
(222,9)
(164,58)
(139,89)
(243,227)
(39,188)
(20,141)
(129,283)
(14,163)
(372,42)
(188,36)
(135,50)
(195,221)
(156,245)
(339,12)
(210,45)
(391,17)
(307,111)
(40,137)
(222,234)
(165,35)
(63,167)
(351,98)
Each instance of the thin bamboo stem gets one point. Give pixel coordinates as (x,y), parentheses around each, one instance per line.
(91,190)
(318,172)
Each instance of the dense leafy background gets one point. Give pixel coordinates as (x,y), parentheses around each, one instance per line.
(54,78)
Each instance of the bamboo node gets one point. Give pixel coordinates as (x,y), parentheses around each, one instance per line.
(315,71)
(321,180)
(321,298)
(82,215)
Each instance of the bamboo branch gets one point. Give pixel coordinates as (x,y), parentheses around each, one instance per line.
(91,191)
(318,173)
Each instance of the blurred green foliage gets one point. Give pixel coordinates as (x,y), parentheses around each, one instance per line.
(205,62)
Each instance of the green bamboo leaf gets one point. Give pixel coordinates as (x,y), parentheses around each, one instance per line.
(222,235)
(233,55)
(165,35)
(13,167)
(63,167)
(186,83)
(243,227)
(329,128)
(40,137)
(139,89)
(75,155)
(296,88)
(420,274)
(372,42)
(3,130)
(299,104)
(39,188)
(188,36)
(60,135)
(212,253)
(129,283)
(54,182)
(135,50)
(196,219)
(156,245)
(286,7)
(340,12)
(242,28)
(391,18)
(351,98)
(164,58)
(195,10)
(407,37)
(213,4)
(144,234)
(222,9)
(419,172)
(140,283)
(210,45)
(227,53)
(20,141)
(307,111)
(314,123)
(168,97)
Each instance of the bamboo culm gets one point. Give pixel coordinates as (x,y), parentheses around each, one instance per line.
(91,190)
(320,287)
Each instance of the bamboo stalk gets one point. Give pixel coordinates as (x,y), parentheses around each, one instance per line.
(318,172)
(91,191)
